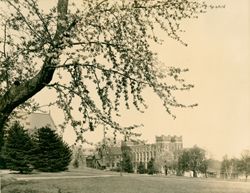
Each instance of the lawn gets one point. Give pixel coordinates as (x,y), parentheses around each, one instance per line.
(127,184)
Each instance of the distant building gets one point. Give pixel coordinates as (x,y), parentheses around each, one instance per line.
(34,121)
(82,155)
(114,157)
(142,152)
(214,168)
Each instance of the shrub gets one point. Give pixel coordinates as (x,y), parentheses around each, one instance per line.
(75,163)
(141,168)
(151,167)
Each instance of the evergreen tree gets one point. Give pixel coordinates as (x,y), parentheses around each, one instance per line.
(2,162)
(17,148)
(151,166)
(127,165)
(50,154)
(141,168)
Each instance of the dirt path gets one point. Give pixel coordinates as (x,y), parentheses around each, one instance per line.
(60,177)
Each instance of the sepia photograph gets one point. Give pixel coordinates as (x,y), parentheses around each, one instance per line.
(124,96)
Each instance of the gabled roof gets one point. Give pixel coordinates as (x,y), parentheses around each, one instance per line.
(37,120)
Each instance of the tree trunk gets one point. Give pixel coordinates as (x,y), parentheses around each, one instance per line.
(166,170)
(3,119)
(194,174)
(18,94)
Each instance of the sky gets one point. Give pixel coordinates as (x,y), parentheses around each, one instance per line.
(217,56)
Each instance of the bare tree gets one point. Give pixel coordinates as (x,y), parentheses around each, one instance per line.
(230,167)
(166,160)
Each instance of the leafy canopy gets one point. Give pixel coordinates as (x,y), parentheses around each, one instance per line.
(97,52)
(193,159)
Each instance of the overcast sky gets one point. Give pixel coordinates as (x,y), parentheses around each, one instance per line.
(218,59)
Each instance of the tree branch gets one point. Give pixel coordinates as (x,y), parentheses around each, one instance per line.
(4,43)
(16,95)
(23,17)
(40,17)
(101,69)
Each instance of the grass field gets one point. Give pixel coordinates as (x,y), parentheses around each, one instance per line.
(125,184)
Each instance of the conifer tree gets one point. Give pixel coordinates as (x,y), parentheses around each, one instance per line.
(151,166)
(141,168)
(2,162)
(17,149)
(127,165)
(50,154)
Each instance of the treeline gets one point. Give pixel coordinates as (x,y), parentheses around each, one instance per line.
(194,159)
(189,161)
(232,168)
(177,162)
(44,150)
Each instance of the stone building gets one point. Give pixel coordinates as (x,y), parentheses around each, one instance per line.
(142,152)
